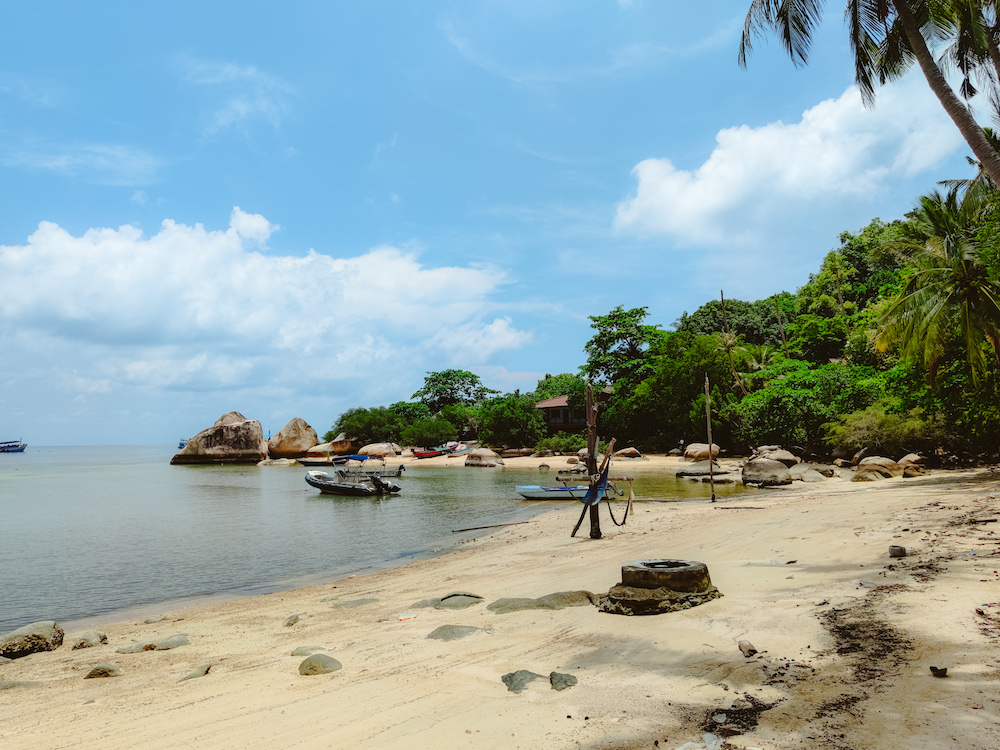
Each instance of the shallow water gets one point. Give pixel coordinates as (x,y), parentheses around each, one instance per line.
(88,531)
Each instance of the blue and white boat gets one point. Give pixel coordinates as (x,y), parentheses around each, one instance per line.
(12,446)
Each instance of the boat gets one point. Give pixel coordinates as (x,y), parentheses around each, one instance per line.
(333,485)
(434,452)
(566,492)
(182,443)
(12,446)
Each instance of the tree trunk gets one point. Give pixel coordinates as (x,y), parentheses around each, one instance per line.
(958,112)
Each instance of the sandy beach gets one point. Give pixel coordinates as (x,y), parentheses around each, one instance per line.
(845,638)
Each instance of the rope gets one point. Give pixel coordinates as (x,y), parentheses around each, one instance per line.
(628,507)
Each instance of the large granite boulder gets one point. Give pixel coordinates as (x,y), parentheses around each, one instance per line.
(30,639)
(887,464)
(701,452)
(233,439)
(701,469)
(293,440)
(483,457)
(780,454)
(765,472)
(380,449)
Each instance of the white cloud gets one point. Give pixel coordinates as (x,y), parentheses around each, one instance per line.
(192,308)
(140,197)
(247,93)
(102,164)
(757,178)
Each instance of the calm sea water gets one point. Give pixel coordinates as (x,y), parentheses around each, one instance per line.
(96,530)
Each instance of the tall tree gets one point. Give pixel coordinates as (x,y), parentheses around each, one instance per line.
(617,352)
(950,292)
(887,37)
(448,387)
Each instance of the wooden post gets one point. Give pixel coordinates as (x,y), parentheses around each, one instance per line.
(595,519)
(708,416)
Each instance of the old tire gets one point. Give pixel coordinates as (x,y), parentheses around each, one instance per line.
(676,575)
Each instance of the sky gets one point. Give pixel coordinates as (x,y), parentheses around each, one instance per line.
(291,209)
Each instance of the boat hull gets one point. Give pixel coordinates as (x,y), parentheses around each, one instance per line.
(536,492)
(12,446)
(329,486)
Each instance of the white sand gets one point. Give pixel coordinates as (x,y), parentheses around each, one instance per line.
(640,678)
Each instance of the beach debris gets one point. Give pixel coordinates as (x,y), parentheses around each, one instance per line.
(199,671)
(516,682)
(31,639)
(104,669)
(452,632)
(407,616)
(652,587)
(174,641)
(939,671)
(135,648)
(558,600)
(896,551)
(985,609)
(560,681)
(319,664)
(89,640)
(307,650)
(290,620)
(747,648)
(352,603)
(11,684)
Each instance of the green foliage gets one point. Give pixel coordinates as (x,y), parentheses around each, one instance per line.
(376,425)
(816,338)
(562,442)
(755,322)
(429,432)
(511,420)
(449,387)
(564,384)
(793,406)
(410,411)
(465,419)
(888,433)
(618,352)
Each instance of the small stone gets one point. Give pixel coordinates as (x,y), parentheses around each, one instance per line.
(747,648)
(291,620)
(452,632)
(135,648)
(174,641)
(89,640)
(319,664)
(104,670)
(561,681)
(198,672)
(517,681)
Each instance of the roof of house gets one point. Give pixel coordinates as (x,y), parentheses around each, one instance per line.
(552,403)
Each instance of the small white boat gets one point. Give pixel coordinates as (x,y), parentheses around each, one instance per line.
(536,492)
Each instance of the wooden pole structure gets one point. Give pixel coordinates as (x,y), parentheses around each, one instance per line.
(595,519)
(711,458)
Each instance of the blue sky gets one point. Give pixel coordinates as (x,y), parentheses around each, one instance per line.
(291,209)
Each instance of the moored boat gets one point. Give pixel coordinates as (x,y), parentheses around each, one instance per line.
(330,485)
(12,446)
(566,492)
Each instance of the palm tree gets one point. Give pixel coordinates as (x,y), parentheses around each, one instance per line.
(949,293)
(887,37)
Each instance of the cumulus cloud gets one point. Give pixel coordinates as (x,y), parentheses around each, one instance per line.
(189,305)
(757,177)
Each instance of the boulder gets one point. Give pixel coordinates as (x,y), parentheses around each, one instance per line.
(293,440)
(805,472)
(700,451)
(228,441)
(894,469)
(628,453)
(700,469)
(913,470)
(870,473)
(482,457)
(30,639)
(786,457)
(380,449)
(89,640)
(319,664)
(340,445)
(911,459)
(765,472)
(105,669)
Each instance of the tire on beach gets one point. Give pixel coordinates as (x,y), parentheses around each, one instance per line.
(676,575)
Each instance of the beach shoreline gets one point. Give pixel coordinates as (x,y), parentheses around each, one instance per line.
(845,635)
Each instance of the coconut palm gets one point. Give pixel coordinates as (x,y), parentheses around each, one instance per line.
(887,37)
(950,293)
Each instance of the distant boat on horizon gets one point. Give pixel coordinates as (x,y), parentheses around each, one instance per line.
(12,446)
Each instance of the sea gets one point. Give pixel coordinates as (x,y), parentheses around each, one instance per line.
(99,533)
